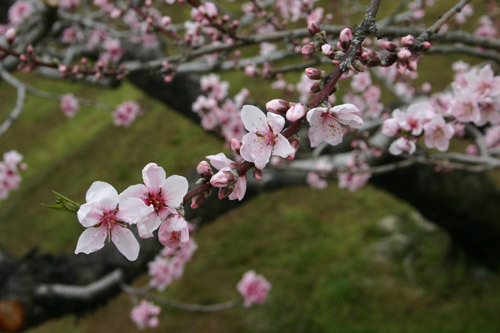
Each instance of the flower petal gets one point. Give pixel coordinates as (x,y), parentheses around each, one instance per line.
(89,214)
(133,210)
(175,188)
(103,193)
(139,191)
(125,242)
(148,225)
(220,161)
(91,240)
(276,122)
(254,119)
(153,176)
(282,147)
(255,149)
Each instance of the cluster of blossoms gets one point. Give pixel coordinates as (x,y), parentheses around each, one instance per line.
(254,288)
(169,264)
(9,172)
(219,112)
(126,113)
(145,315)
(69,105)
(156,203)
(365,95)
(474,98)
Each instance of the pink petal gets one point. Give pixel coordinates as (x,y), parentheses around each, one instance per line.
(241,187)
(133,210)
(153,176)
(125,242)
(148,225)
(256,150)
(254,119)
(89,214)
(276,122)
(282,147)
(333,132)
(175,188)
(220,161)
(103,193)
(316,132)
(139,191)
(91,240)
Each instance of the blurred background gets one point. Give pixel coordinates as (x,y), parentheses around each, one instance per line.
(337,261)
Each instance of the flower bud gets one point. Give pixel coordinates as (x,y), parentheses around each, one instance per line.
(345,38)
(257,174)
(277,106)
(425,46)
(308,49)
(221,179)
(165,21)
(389,46)
(315,87)
(313,73)
(211,10)
(412,63)
(235,145)
(10,34)
(313,27)
(407,40)
(296,112)
(204,170)
(198,200)
(401,67)
(294,142)
(326,49)
(404,54)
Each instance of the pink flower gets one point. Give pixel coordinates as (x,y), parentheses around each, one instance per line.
(326,123)
(164,195)
(264,139)
(19,11)
(315,181)
(69,105)
(254,288)
(401,145)
(145,315)
(438,133)
(108,215)
(413,119)
(174,231)
(236,188)
(125,113)
(160,271)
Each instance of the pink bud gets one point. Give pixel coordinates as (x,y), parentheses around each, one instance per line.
(23,58)
(401,67)
(412,63)
(294,142)
(211,10)
(407,40)
(308,49)
(221,179)
(257,174)
(345,38)
(235,145)
(165,21)
(296,112)
(313,73)
(10,34)
(168,78)
(204,170)
(198,200)
(389,46)
(30,49)
(313,28)
(315,87)
(326,49)
(425,46)
(404,54)
(277,106)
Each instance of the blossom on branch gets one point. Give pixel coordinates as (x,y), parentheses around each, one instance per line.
(109,215)
(164,195)
(326,123)
(235,185)
(145,315)
(264,139)
(254,288)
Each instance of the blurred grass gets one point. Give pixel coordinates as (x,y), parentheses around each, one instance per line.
(317,248)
